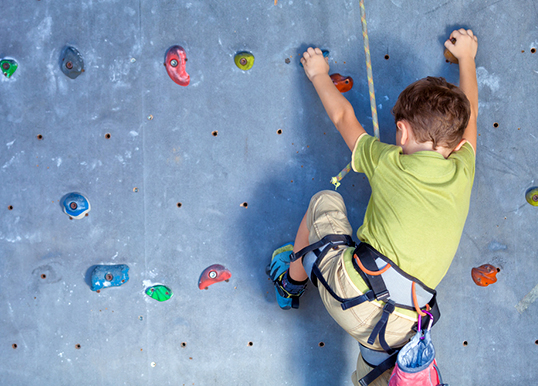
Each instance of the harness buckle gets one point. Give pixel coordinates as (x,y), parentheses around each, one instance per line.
(383,296)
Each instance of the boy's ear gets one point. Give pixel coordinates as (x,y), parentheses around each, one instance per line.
(404,128)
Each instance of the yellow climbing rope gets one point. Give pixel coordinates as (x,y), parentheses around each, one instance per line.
(336,180)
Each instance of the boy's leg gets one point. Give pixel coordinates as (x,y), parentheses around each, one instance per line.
(326,215)
(297,271)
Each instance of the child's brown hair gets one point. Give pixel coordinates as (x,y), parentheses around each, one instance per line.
(437,111)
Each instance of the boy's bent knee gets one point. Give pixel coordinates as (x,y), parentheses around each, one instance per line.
(326,215)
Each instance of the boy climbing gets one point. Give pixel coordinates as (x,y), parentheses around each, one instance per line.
(421,190)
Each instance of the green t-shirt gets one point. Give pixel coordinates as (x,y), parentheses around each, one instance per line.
(418,205)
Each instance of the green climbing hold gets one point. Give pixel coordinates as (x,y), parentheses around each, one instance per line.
(532,196)
(159,292)
(8,67)
(244,60)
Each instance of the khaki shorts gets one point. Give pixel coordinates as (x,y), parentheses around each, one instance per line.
(326,215)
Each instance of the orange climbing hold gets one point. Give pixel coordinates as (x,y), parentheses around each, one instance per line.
(449,56)
(343,84)
(484,275)
(213,274)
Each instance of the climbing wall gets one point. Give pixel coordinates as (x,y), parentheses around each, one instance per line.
(220,171)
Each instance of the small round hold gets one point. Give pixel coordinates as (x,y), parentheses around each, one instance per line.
(75,205)
(213,274)
(8,67)
(532,196)
(244,60)
(173,63)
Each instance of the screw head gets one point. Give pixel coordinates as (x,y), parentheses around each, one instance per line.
(6,66)
(69,65)
(173,63)
(212,274)
(73,205)
(535,198)
(243,61)
(109,277)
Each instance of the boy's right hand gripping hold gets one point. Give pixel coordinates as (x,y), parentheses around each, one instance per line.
(464,49)
(314,63)
(339,110)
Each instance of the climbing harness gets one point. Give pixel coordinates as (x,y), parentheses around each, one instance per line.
(386,282)
(336,180)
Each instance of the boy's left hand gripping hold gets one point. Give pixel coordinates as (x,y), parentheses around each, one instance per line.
(287,294)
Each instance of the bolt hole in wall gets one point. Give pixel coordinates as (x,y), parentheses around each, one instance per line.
(135,190)
(107,136)
(40,137)
(10,207)
(179,204)
(43,276)
(214,133)
(495,125)
(387,57)
(77,346)
(533,50)
(321,344)
(279,131)
(244,205)
(250,344)
(465,343)
(14,345)
(183,344)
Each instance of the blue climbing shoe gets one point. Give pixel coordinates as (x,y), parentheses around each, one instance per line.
(287,294)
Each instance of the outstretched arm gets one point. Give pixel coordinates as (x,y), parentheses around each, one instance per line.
(465,51)
(337,106)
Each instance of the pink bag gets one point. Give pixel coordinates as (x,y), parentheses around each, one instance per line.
(416,363)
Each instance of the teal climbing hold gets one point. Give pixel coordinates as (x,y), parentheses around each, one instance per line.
(159,292)
(75,205)
(105,276)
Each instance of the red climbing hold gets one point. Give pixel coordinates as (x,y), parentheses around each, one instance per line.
(343,84)
(213,274)
(175,61)
(484,275)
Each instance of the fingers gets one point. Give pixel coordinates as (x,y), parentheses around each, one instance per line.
(311,52)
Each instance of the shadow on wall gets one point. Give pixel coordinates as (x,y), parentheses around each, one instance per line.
(284,204)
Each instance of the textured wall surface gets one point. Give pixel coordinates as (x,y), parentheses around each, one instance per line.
(231,137)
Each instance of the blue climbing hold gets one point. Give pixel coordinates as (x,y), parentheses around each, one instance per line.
(104,276)
(75,205)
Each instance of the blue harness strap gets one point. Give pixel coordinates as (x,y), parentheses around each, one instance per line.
(381,326)
(331,240)
(379,369)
